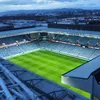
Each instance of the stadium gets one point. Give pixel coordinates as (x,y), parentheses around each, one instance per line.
(49,64)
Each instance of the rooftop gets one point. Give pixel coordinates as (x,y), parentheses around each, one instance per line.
(45,29)
(85,70)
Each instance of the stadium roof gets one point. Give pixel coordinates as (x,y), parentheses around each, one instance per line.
(19,84)
(85,70)
(45,29)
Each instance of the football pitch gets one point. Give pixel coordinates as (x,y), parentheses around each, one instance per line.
(50,65)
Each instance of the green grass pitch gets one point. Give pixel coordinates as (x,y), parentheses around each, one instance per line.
(50,65)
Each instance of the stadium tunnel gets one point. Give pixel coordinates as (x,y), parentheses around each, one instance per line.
(85,77)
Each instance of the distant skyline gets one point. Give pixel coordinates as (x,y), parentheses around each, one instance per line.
(7,5)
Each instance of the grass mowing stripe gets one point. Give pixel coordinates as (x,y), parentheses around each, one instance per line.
(44,67)
(49,65)
(63,55)
(51,59)
(43,61)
